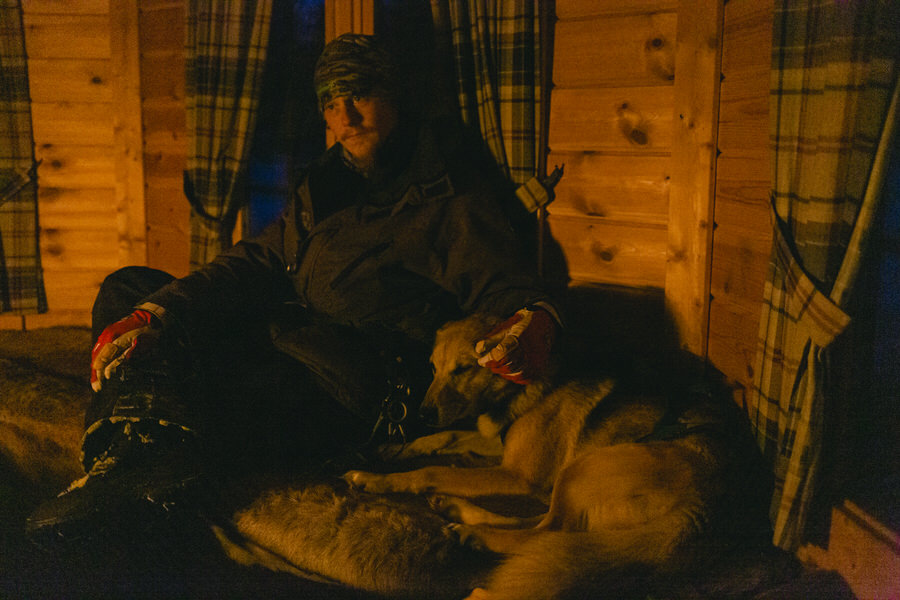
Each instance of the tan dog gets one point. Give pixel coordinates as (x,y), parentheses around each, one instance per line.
(627,497)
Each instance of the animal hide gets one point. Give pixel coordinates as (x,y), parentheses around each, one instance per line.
(394,545)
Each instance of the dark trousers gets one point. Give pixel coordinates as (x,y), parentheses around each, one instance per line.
(248,403)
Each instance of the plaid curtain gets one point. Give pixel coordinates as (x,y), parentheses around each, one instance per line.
(833,77)
(226,52)
(21,279)
(497,64)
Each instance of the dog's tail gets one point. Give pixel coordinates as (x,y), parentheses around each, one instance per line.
(620,564)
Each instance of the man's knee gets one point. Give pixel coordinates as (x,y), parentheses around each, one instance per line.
(121,291)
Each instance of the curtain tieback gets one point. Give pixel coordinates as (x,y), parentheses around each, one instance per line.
(537,192)
(806,304)
(20,178)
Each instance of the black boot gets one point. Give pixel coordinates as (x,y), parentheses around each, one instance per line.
(139,469)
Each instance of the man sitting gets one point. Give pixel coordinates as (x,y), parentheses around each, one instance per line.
(315,328)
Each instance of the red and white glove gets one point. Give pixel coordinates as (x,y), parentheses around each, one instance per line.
(134,335)
(519,348)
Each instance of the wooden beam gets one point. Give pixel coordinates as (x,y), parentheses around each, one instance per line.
(698,59)
(127,132)
(349,16)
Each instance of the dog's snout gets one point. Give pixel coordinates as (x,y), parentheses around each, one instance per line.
(429,415)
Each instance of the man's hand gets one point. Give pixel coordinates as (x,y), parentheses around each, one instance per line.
(519,348)
(132,336)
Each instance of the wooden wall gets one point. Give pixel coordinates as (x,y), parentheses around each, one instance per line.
(107,92)
(743,234)
(162,84)
(73,96)
(611,125)
(647,94)
(107,84)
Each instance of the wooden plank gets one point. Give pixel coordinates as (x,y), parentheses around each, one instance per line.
(65,249)
(67,36)
(742,247)
(69,80)
(349,16)
(60,317)
(162,28)
(72,123)
(735,353)
(66,7)
(76,209)
(164,123)
(12,321)
(153,5)
(67,166)
(128,133)
(166,142)
(742,238)
(162,77)
(632,188)
(578,9)
(74,289)
(169,210)
(168,229)
(173,183)
(615,51)
(745,95)
(628,119)
(597,250)
(692,194)
(751,166)
(164,163)
(747,137)
(169,250)
(364,16)
(748,28)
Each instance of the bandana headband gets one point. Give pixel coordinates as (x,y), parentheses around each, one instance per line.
(353,64)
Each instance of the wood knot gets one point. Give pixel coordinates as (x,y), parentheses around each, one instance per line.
(604,253)
(660,58)
(639,137)
(676,255)
(632,125)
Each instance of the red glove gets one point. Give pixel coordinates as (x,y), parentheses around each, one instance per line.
(519,348)
(132,336)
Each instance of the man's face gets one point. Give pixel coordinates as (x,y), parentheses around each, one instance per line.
(361,124)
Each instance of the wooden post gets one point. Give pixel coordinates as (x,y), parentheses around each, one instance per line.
(127,132)
(698,59)
(349,16)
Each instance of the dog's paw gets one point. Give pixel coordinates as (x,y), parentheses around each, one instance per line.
(364,481)
(479,594)
(445,506)
(467,536)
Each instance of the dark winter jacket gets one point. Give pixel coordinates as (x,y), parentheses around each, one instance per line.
(422,241)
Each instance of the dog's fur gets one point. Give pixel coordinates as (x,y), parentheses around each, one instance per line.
(636,486)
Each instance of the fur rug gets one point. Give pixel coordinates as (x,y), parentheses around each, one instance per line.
(301,530)
(392,545)
(45,387)
(395,546)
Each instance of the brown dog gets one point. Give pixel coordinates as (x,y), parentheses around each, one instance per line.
(626,495)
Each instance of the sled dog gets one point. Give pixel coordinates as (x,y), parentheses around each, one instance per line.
(635,486)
